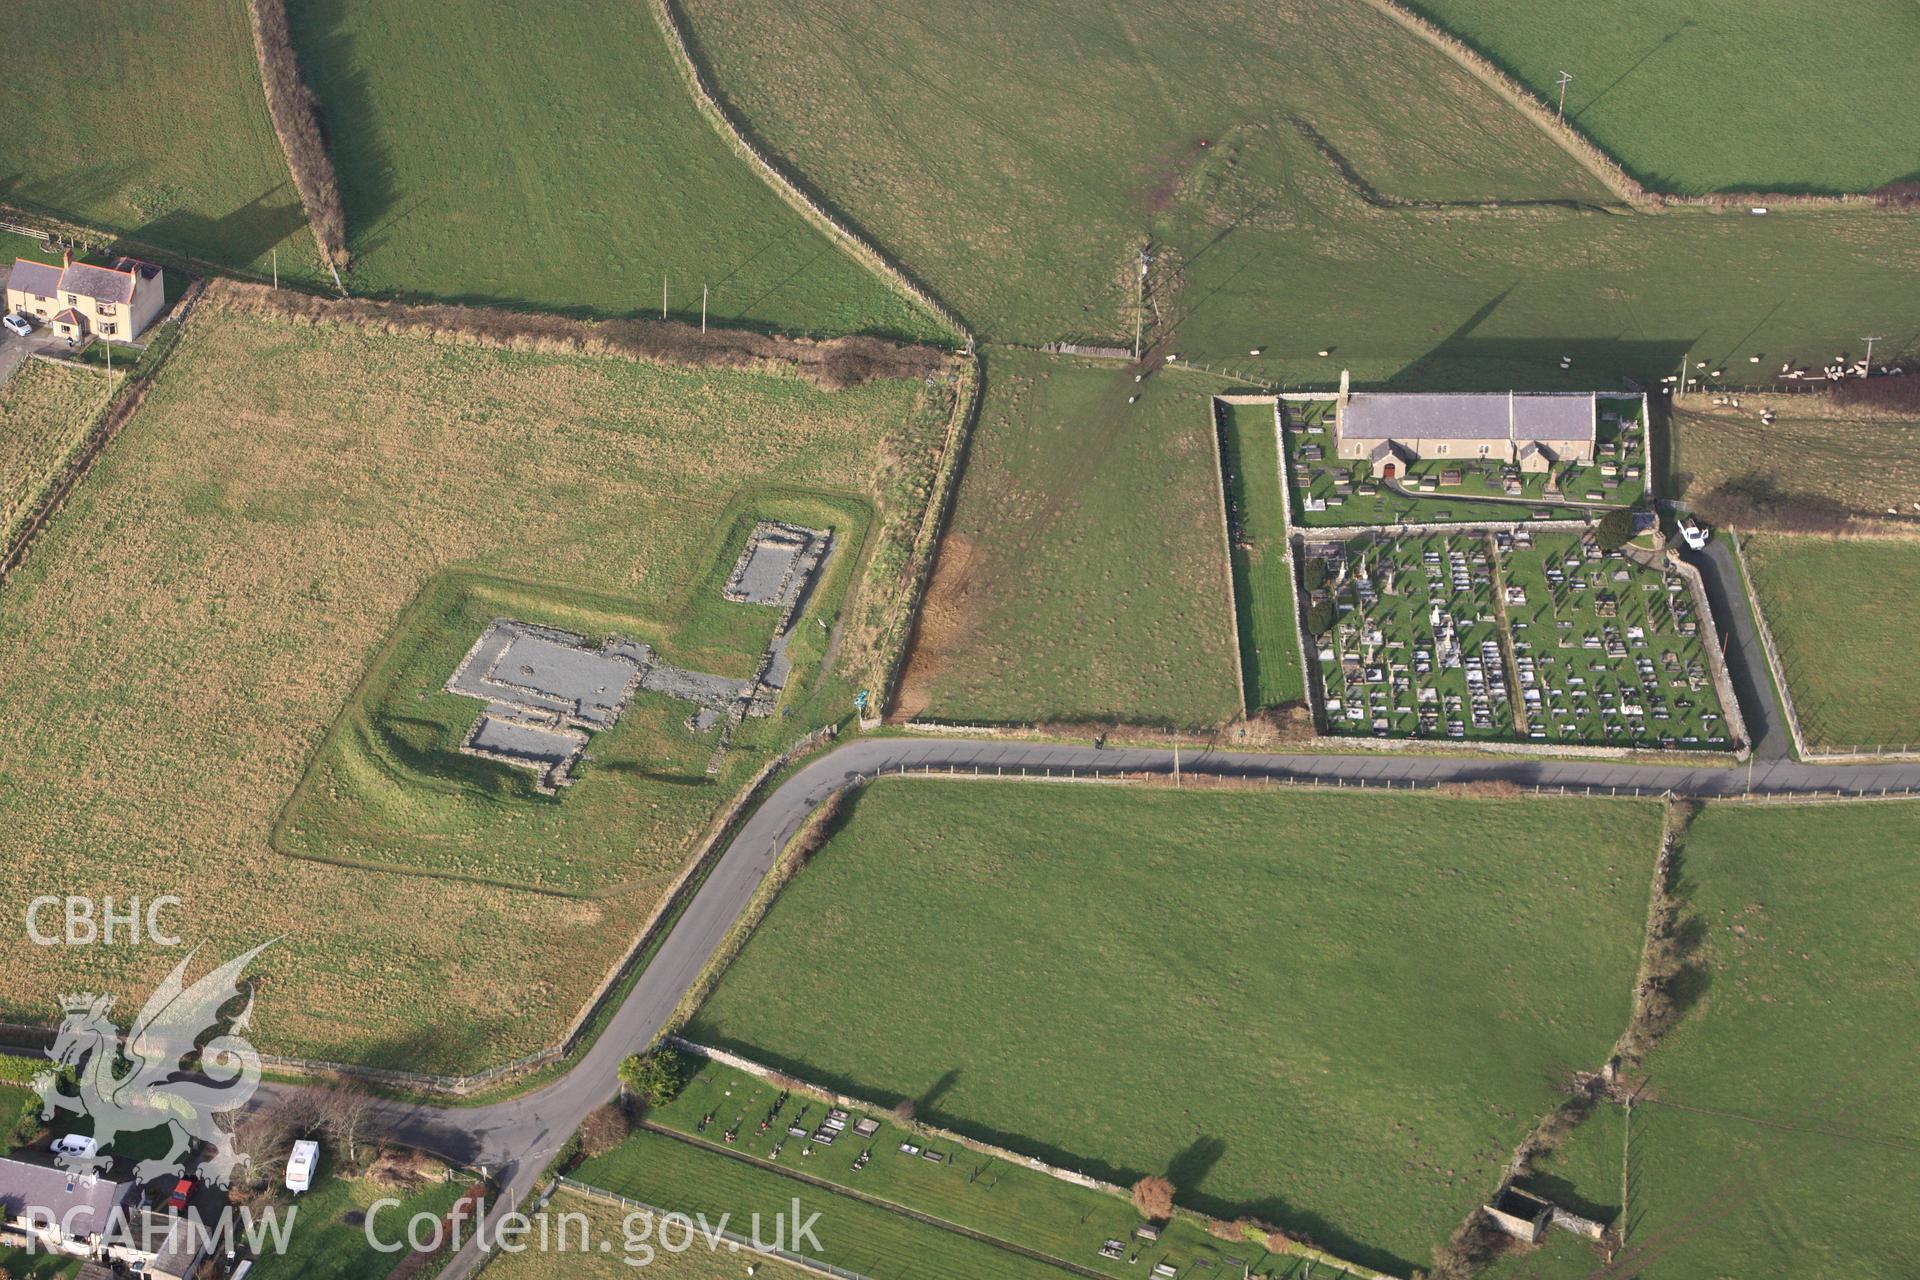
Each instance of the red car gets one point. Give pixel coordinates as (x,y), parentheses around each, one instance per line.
(182,1192)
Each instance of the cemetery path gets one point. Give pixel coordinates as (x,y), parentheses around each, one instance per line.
(516,1138)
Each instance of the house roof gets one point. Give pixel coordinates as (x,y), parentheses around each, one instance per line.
(166,1243)
(42,279)
(41,1192)
(69,316)
(1473,415)
(103,284)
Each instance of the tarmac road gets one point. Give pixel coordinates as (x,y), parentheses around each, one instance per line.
(515,1139)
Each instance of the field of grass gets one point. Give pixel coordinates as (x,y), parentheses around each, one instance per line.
(1814,457)
(329,1241)
(212,597)
(1239,990)
(390,787)
(1016,162)
(1842,614)
(113,150)
(1725,96)
(1329,492)
(1262,583)
(1082,575)
(488,154)
(45,411)
(1790,1085)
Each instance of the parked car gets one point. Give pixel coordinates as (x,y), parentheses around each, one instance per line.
(182,1192)
(300,1164)
(1694,534)
(76,1144)
(18,324)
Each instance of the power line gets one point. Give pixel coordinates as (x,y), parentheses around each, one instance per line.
(1560,113)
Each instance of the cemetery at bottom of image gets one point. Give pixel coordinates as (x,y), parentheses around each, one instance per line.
(1517,635)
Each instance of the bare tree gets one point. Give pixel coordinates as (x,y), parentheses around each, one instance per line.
(342,1112)
(1153,1197)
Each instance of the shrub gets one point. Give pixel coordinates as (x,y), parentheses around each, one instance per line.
(604,1129)
(1320,617)
(1315,573)
(655,1078)
(1153,1197)
(295,113)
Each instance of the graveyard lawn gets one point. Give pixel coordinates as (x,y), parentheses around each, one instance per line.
(491,155)
(1842,613)
(1334,1012)
(994,1197)
(1083,574)
(681,1177)
(1534,635)
(1329,492)
(1749,1120)
(212,597)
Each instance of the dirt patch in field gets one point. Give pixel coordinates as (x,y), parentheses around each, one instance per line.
(1162,175)
(944,623)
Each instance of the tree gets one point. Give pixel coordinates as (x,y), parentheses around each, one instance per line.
(903,1113)
(1614,531)
(1315,574)
(655,1078)
(1320,616)
(1153,1197)
(342,1112)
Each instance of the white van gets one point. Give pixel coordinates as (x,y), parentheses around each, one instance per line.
(300,1165)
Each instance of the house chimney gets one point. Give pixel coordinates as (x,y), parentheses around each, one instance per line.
(66,257)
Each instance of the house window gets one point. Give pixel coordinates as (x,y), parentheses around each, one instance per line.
(73,299)
(1440,448)
(1483,451)
(108,329)
(103,308)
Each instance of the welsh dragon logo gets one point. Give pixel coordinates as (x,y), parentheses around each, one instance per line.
(141,1082)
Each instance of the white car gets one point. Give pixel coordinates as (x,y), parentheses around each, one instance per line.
(300,1164)
(76,1144)
(1694,534)
(19,325)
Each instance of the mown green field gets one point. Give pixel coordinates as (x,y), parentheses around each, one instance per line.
(563,1244)
(329,1239)
(1791,1083)
(489,153)
(1262,584)
(1081,577)
(148,120)
(1017,160)
(1721,96)
(1338,1013)
(1841,612)
(177,649)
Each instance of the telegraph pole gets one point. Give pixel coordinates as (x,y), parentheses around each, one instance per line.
(1878,337)
(703,307)
(1561,112)
(663,295)
(1140,308)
